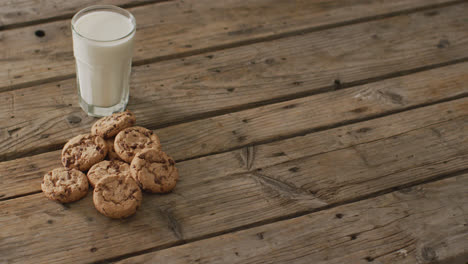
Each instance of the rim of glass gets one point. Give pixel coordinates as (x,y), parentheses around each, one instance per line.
(111,8)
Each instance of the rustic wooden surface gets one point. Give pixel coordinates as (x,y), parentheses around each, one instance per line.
(183,28)
(305,132)
(399,227)
(238,78)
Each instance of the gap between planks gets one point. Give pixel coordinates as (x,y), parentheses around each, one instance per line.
(396,253)
(447,173)
(241,43)
(206,115)
(70,15)
(248,103)
(286,217)
(293,135)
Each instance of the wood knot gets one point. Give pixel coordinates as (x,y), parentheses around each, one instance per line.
(72,119)
(289,106)
(270,61)
(359,110)
(443,43)
(260,235)
(428,254)
(364,129)
(294,169)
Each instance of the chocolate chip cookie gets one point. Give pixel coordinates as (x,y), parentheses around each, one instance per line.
(111,154)
(65,185)
(106,168)
(132,140)
(83,151)
(109,126)
(154,171)
(117,196)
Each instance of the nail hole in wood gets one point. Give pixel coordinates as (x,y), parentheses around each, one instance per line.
(294,169)
(39,33)
(337,84)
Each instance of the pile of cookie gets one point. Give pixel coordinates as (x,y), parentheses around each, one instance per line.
(120,160)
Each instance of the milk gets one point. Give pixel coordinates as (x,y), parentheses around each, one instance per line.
(103,49)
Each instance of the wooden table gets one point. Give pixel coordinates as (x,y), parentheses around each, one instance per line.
(308,131)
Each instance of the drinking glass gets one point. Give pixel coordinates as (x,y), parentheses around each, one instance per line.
(103,64)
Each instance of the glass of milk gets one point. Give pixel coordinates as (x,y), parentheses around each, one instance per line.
(103,48)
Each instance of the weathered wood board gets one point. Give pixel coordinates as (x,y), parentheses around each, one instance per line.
(422,224)
(20,13)
(305,132)
(260,124)
(175,28)
(223,192)
(263,72)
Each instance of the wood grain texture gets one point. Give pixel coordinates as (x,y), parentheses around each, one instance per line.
(19,179)
(24,12)
(227,191)
(23,131)
(178,27)
(423,224)
(247,127)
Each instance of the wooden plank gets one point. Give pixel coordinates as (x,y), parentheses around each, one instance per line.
(23,132)
(26,12)
(422,224)
(251,126)
(178,27)
(219,193)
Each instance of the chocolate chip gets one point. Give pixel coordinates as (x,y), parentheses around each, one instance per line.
(156,180)
(171,161)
